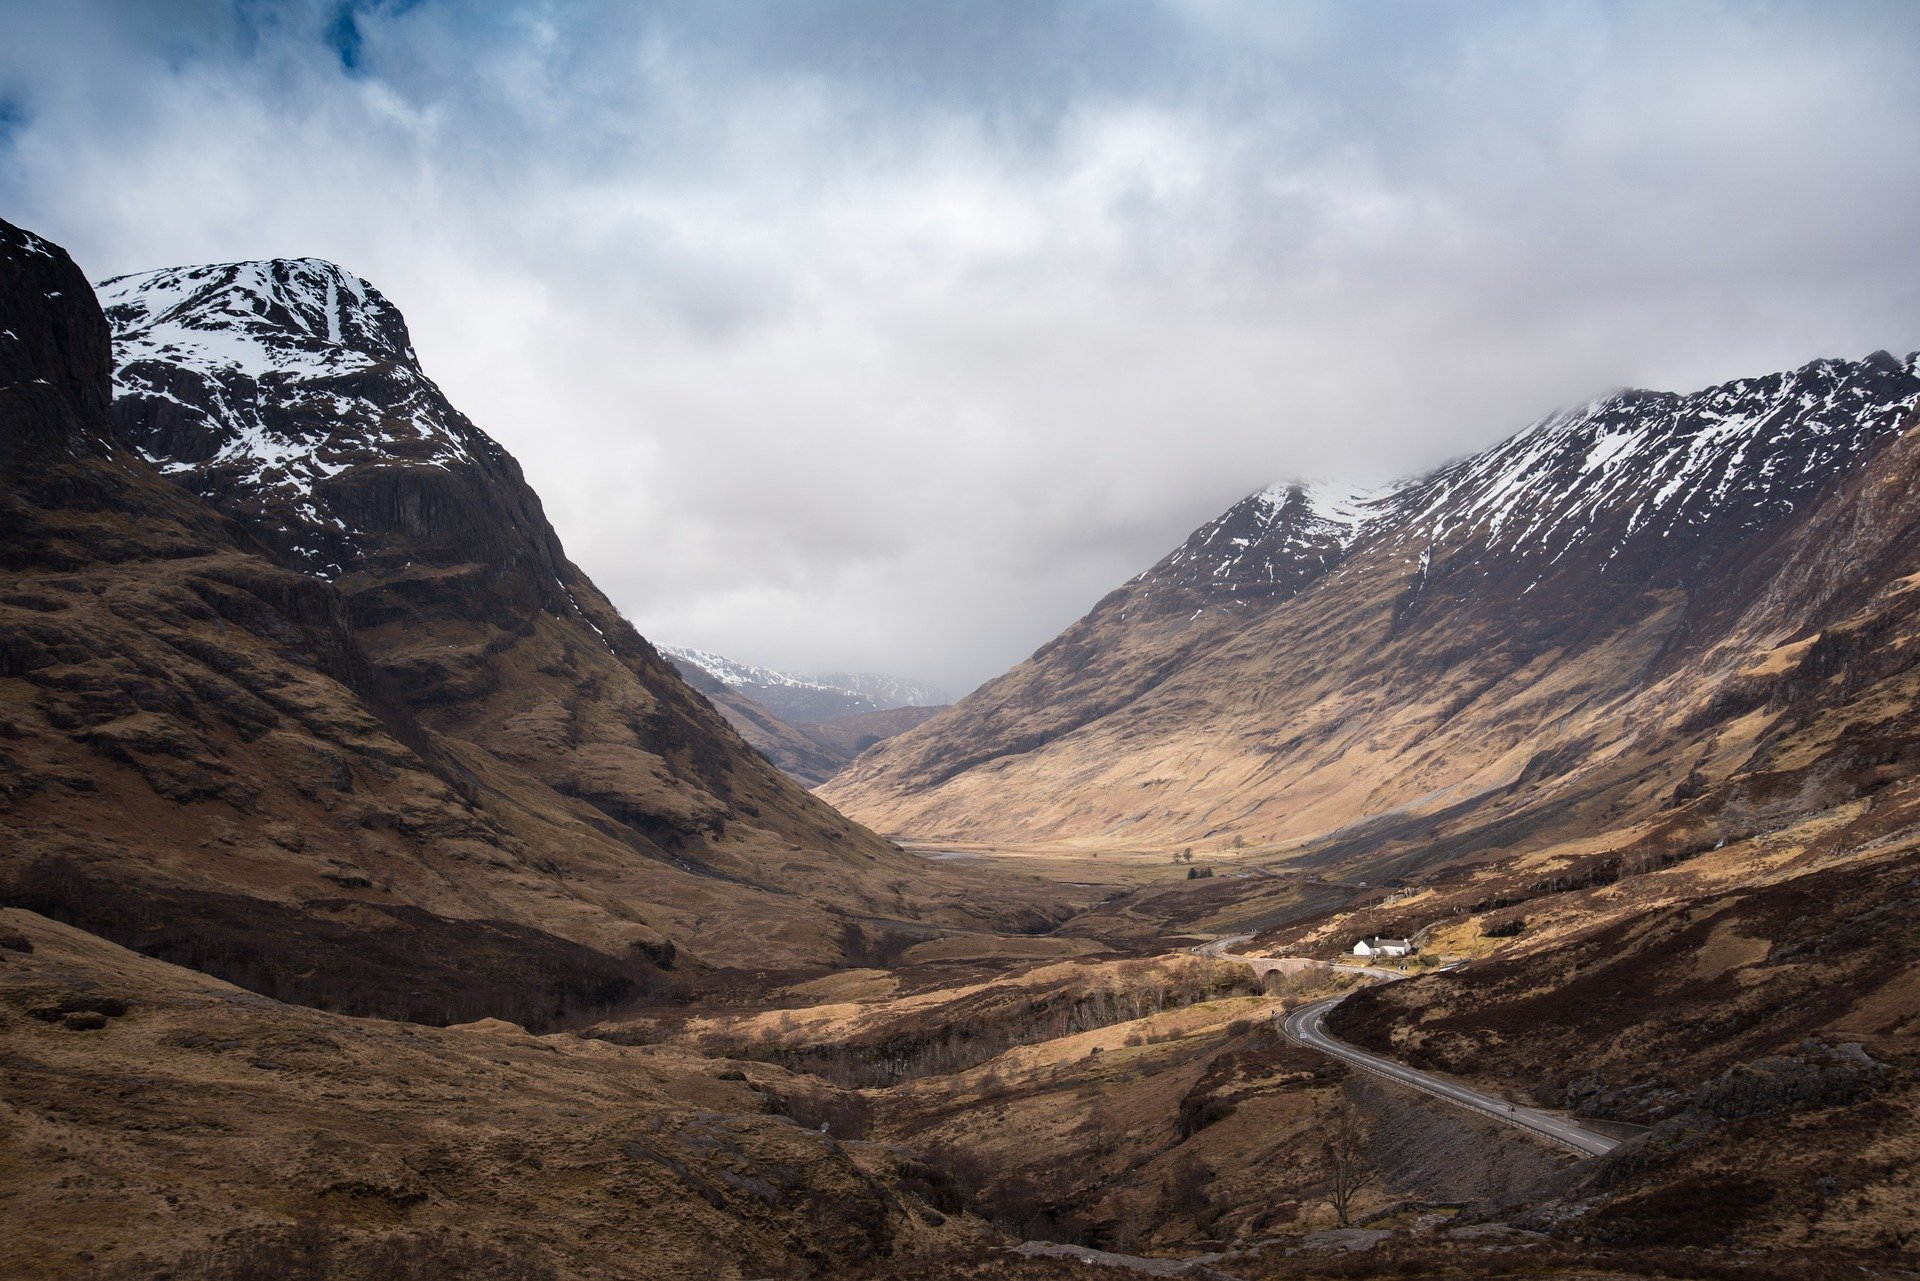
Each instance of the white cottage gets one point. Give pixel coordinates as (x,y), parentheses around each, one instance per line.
(1378,947)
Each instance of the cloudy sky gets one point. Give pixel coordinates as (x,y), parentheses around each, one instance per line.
(892,335)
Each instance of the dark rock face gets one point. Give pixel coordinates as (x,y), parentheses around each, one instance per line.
(287,394)
(55,366)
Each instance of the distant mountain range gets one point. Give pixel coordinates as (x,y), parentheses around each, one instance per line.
(810,726)
(1615,599)
(807,700)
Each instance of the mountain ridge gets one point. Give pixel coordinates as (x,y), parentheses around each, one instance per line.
(807,699)
(1537,560)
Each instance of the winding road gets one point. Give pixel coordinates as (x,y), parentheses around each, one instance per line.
(1308,1026)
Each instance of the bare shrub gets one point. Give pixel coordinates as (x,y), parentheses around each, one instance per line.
(1183,1192)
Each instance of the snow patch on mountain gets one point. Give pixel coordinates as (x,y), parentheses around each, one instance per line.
(809,699)
(740,675)
(1668,462)
(887,691)
(1339,506)
(1642,469)
(1272,542)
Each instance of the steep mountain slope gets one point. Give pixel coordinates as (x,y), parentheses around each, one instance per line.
(288,395)
(1544,626)
(197,752)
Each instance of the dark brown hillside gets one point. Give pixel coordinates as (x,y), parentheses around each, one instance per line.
(163,1124)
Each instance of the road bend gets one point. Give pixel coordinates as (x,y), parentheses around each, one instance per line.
(1307,1025)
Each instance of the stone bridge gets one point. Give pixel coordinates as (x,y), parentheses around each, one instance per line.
(1265,965)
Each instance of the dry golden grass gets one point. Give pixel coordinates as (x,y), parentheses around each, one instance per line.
(204,1111)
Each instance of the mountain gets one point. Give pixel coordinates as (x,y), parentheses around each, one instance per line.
(288,396)
(797,753)
(807,700)
(1567,623)
(887,692)
(816,734)
(794,699)
(299,686)
(1629,708)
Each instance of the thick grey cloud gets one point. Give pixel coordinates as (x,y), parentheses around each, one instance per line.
(892,335)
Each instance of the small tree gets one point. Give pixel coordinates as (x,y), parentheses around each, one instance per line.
(1345,1155)
(1184,1189)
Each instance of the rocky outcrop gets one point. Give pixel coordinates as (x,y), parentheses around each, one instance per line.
(54,353)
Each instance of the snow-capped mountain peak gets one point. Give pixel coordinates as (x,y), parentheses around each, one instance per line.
(287,318)
(1339,507)
(1269,544)
(1641,477)
(272,379)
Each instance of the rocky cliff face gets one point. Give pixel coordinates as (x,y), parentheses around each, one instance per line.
(54,355)
(1521,632)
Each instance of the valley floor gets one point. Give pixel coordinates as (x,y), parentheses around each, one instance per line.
(1112,1093)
